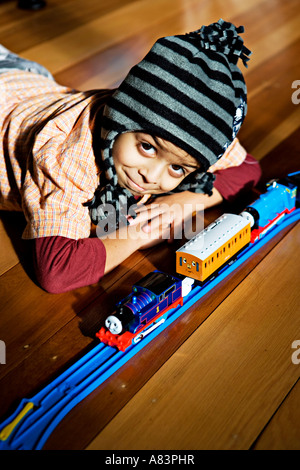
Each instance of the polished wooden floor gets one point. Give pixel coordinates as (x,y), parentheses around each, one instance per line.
(222,376)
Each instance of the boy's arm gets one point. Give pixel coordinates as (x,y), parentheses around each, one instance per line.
(62,264)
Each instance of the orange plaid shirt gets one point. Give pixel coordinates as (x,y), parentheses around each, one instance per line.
(234,155)
(49,170)
(52,175)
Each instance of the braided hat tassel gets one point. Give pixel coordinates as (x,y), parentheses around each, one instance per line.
(224,37)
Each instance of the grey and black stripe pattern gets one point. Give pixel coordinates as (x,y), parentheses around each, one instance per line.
(187,90)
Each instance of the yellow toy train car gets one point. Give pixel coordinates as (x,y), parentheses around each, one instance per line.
(214,246)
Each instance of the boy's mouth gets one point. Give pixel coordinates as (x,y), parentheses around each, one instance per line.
(133,185)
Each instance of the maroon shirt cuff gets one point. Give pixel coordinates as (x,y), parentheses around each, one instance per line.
(234,181)
(63,264)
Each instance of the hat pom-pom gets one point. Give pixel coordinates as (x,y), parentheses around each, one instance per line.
(224,37)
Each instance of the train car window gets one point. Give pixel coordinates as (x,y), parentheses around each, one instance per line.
(197,266)
(228,245)
(169,290)
(180,261)
(212,259)
(205,265)
(161,297)
(217,254)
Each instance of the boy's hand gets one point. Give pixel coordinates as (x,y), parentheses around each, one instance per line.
(150,227)
(177,210)
(128,239)
(155,223)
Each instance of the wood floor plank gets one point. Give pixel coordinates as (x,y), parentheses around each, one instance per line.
(220,388)
(287,127)
(8,256)
(66,49)
(272,115)
(276,40)
(282,160)
(105,69)
(98,34)
(282,433)
(37,27)
(29,316)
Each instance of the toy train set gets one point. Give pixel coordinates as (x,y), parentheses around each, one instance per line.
(155,302)
(199,259)
(148,306)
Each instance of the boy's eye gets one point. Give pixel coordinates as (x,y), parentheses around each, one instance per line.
(148,148)
(177,170)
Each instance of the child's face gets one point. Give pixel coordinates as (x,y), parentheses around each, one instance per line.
(150,165)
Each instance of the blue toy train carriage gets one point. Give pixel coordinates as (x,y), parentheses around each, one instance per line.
(142,311)
(273,205)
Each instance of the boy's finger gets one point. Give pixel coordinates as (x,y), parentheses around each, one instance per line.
(162,232)
(142,207)
(146,215)
(162,220)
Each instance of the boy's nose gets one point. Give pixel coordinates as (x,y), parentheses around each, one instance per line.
(152,173)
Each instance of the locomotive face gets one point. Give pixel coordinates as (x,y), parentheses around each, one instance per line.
(186,265)
(113,324)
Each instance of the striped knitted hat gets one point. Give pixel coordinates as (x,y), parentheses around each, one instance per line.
(187,90)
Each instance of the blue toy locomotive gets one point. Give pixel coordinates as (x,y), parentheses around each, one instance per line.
(154,295)
(143,310)
(273,205)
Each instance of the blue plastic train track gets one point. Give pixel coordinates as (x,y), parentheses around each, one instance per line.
(35,419)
